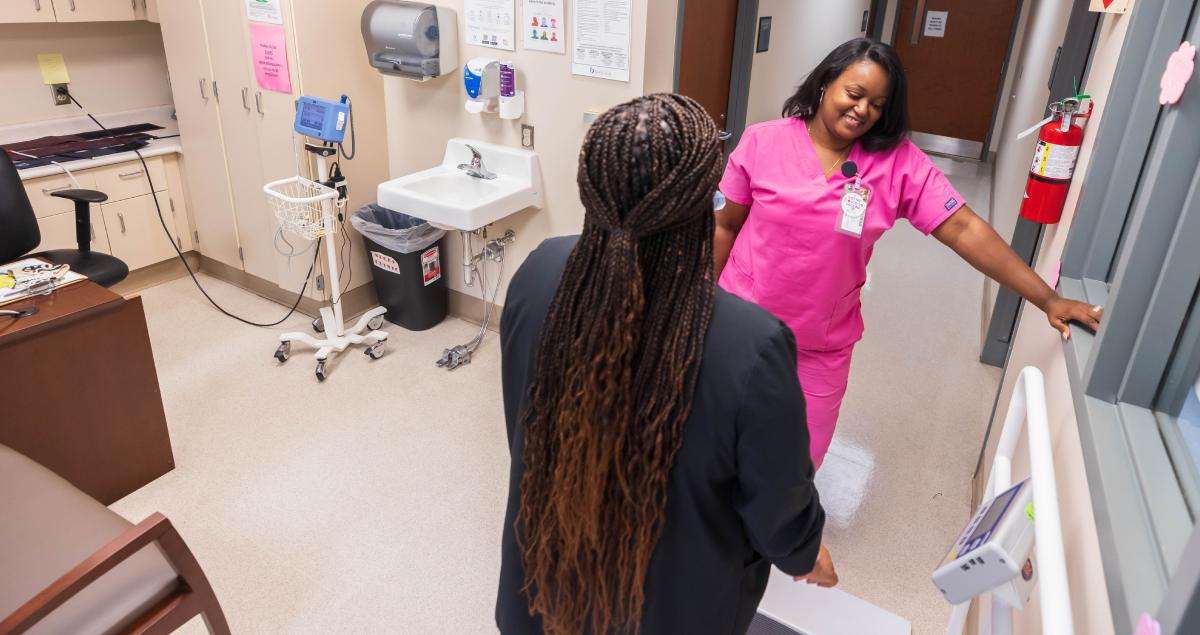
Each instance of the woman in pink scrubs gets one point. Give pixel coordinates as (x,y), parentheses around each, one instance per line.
(808,195)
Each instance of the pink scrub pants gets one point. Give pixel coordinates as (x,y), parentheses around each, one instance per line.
(823,378)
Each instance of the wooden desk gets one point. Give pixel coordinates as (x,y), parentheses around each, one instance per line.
(80,394)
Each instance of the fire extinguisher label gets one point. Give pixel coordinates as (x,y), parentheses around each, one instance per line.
(1054,161)
(431,266)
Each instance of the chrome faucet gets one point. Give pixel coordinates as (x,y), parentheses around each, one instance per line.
(475,167)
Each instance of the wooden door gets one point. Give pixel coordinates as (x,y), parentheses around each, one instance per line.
(95,10)
(20,11)
(706,54)
(211,205)
(954,53)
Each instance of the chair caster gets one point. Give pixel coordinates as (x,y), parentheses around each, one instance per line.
(318,325)
(281,353)
(375,351)
(321,371)
(375,322)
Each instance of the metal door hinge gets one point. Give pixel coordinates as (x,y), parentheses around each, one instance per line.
(241,254)
(179,242)
(216,91)
(196,236)
(172,202)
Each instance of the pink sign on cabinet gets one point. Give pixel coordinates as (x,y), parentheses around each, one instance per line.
(269,48)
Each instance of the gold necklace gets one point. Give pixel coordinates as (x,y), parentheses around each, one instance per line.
(837,163)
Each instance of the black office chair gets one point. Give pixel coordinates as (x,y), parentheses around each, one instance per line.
(19,231)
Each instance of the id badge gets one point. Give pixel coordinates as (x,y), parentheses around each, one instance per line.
(854,209)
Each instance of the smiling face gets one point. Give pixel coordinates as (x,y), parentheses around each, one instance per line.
(855,100)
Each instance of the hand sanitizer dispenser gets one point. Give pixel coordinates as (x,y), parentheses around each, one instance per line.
(481,77)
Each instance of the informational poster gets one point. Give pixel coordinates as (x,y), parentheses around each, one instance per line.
(1111,6)
(264,11)
(935,23)
(268,46)
(545,28)
(600,40)
(490,23)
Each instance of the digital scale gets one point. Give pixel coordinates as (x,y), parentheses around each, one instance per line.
(994,553)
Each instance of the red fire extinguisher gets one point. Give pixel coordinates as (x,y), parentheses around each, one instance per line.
(1054,162)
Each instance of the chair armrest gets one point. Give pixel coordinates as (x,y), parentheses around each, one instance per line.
(155,528)
(81,196)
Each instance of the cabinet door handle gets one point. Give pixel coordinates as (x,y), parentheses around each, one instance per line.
(48,190)
(246,99)
(204,88)
(133,4)
(129,175)
(144,5)
(72,5)
(37,5)
(93,230)
(121,217)
(258,102)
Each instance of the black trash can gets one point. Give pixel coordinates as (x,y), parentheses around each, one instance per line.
(406,260)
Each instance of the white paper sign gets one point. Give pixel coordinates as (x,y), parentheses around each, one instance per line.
(264,11)
(935,23)
(600,42)
(490,23)
(543,26)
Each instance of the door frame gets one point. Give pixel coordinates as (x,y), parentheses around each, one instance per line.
(745,32)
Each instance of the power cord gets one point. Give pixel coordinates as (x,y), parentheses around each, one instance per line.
(162,220)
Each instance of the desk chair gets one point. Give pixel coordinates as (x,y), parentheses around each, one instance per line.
(19,231)
(72,566)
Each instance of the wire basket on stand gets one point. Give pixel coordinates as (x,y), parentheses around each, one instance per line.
(299,205)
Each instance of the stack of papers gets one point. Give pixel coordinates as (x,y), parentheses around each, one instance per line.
(32,276)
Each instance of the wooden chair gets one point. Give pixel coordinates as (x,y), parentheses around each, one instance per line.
(70,565)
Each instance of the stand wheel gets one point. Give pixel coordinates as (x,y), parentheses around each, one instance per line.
(375,322)
(321,370)
(281,353)
(318,325)
(374,351)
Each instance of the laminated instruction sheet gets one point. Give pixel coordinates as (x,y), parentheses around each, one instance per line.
(490,23)
(544,26)
(601,38)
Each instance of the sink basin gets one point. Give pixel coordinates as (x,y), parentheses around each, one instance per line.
(450,198)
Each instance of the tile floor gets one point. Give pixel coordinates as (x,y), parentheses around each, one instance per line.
(372,503)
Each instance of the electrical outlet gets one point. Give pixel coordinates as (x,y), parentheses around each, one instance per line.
(526,136)
(61,96)
(320,282)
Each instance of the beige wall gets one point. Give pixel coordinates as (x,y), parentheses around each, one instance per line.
(1038,345)
(422,116)
(113,66)
(803,32)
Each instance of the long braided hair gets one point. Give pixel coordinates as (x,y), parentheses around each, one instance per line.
(617,364)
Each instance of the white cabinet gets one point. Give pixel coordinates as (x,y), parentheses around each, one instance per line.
(135,232)
(58,232)
(95,10)
(17,11)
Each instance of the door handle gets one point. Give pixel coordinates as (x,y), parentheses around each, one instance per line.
(258,102)
(133,4)
(246,99)
(129,175)
(204,88)
(47,191)
(93,230)
(121,217)
(72,5)
(724,135)
(37,5)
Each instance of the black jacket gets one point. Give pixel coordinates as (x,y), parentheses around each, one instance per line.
(740,495)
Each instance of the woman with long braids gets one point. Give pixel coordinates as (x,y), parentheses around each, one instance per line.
(654,420)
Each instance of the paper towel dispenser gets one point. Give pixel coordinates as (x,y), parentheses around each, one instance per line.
(417,40)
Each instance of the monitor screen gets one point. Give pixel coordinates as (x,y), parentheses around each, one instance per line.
(999,505)
(312,116)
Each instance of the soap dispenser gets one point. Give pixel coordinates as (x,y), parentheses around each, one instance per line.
(481,77)
(512,101)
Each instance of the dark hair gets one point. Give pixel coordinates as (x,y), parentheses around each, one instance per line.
(617,364)
(893,126)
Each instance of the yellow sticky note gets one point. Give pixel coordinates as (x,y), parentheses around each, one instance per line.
(54,68)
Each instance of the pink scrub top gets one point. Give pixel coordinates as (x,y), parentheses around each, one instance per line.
(790,258)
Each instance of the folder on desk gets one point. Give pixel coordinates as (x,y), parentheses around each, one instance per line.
(32,276)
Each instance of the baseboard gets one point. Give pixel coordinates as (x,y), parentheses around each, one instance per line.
(139,280)
(469,308)
(354,302)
